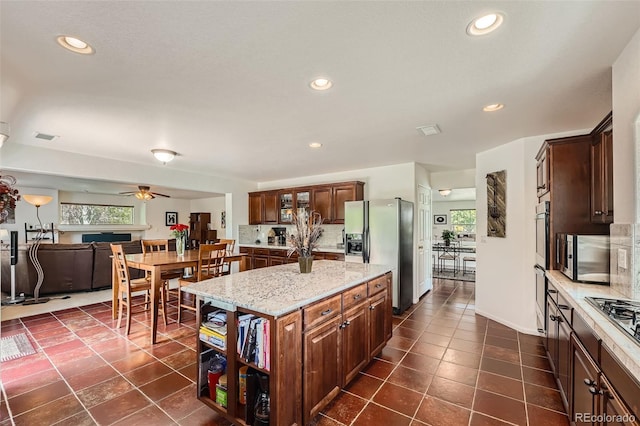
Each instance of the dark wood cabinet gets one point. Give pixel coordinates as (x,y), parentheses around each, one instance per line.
(377,327)
(355,345)
(542,171)
(198,228)
(584,384)
(602,177)
(558,341)
(264,257)
(322,369)
(278,206)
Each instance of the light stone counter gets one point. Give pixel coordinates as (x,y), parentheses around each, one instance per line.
(326,249)
(281,289)
(626,350)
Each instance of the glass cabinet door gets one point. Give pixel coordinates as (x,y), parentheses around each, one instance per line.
(286,207)
(303,201)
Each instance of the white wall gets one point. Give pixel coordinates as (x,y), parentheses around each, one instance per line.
(626,114)
(454,179)
(215,206)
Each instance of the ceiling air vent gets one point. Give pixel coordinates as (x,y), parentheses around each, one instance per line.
(44,136)
(429,130)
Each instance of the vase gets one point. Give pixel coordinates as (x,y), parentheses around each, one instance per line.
(447,243)
(305,264)
(181,243)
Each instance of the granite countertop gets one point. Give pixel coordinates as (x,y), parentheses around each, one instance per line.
(627,351)
(281,289)
(326,249)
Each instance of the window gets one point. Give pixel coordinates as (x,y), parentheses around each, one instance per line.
(463,221)
(95,214)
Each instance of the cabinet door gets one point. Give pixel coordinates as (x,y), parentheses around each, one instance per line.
(354,341)
(552,335)
(564,356)
(321,198)
(341,194)
(285,199)
(255,208)
(302,200)
(584,387)
(614,412)
(260,262)
(602,178)
(542,174)
(322,371)
(273,261)
(271,205)
(377,323)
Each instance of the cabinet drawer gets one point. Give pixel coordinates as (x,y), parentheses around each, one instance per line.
(261,251)
(333,256)
(565,308)
(247,250)
(354,296)
(278,253)
(322,311)
(377,285)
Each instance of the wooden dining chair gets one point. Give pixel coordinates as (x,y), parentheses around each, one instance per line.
(210,261)
(150,246)
(127,286)
(226,267)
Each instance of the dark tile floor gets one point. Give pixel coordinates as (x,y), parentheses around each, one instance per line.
(444,366)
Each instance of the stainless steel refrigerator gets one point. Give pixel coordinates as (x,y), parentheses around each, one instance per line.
(381,232)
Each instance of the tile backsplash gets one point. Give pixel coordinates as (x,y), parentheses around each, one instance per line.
(248,234)
(624,259)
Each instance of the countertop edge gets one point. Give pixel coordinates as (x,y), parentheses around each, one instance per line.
(627,351)
(325,249)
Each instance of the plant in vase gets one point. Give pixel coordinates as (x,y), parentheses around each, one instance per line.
(448,236)
(305,237)
(179,232)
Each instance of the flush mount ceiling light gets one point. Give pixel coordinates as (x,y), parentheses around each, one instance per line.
(485,24)
(429,130)
(4,132)
(75,45)
(321,84)
(315,145)
(444,192)
(164,155)
(493,107)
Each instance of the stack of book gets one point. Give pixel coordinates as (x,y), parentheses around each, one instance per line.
(214,330)
(254,343)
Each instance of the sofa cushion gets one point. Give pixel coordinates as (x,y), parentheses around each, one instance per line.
(102,262)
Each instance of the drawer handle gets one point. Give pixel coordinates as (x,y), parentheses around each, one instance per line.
(564,307)
(378,285)
(327,312)
(357,296)
(553,317)
(552,291)
(371,308)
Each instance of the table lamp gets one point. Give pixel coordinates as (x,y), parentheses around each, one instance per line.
(37,200)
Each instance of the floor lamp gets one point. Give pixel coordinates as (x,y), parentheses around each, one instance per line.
(37,200)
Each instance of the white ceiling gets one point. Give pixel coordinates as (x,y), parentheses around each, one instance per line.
(225,84)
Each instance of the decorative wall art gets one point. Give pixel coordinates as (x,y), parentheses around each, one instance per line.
(171,218)
(223,219)
(497,204)
(439,219)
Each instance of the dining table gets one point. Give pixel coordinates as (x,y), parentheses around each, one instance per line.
(155,263)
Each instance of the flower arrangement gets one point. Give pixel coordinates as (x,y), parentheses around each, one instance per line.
(179,230)
(306,234)
(8,196)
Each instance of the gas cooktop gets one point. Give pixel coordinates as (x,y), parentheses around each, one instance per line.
(625,314)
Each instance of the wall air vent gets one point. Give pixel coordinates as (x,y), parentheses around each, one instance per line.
(429,130)
(44,136)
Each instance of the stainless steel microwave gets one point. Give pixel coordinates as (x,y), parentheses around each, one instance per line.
(584,258)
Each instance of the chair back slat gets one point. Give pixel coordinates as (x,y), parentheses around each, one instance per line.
(122,270)
(229,243)
(154,245)
(210,260)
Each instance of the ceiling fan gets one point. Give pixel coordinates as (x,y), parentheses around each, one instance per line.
(145,193)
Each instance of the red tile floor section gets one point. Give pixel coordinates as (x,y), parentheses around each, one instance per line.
(445,365)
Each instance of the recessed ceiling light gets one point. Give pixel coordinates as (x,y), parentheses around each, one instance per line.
(493,107)
(321,84)
(75,45)
(485,24)
(315,145)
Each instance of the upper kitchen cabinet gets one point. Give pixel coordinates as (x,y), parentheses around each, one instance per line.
(542,171)
(602,172)
(263,207)
(278,206)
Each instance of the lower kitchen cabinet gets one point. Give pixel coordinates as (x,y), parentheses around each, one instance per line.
(262,257)
(584,384)
(355,343)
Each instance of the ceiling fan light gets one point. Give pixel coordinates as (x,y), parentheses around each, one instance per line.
(164,155)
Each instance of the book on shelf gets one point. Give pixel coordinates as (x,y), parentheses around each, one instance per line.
(256,345)
(214,338)
(243,331)
(216,321)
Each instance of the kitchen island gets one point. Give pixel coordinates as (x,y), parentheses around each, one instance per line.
(318,331)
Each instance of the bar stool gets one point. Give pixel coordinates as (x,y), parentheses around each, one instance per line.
(464,264)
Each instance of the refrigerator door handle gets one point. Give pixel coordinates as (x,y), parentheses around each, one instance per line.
(366,246)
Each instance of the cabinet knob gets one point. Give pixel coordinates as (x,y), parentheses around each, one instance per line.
(357,296)
(553,317)
(597,212)
(371,308)
(594,391)
(589,382)
(346,323)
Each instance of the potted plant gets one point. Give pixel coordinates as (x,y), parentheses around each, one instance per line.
(447,236)
(305,237)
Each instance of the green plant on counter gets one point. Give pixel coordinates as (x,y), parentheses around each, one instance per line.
(448,235)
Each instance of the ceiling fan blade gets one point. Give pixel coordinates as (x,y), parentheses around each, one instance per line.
(160,195)
(127,193)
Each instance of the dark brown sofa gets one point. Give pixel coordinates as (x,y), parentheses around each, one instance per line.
(67,267)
